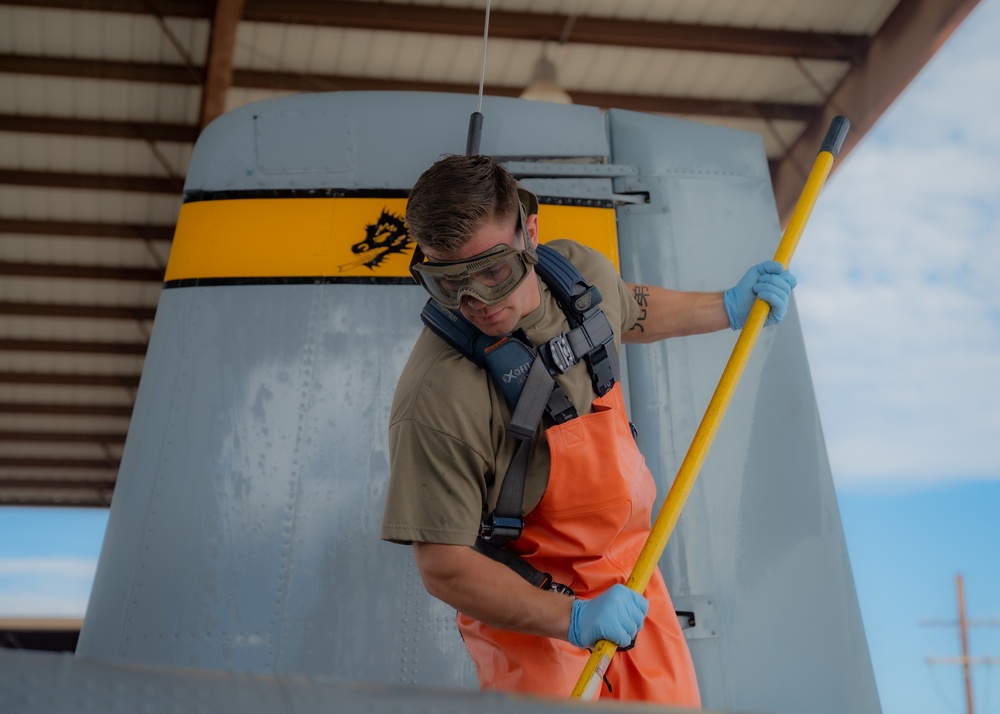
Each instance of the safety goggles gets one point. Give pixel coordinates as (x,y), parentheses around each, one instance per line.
(489,277)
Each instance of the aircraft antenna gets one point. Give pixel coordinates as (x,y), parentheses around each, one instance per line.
(476,120)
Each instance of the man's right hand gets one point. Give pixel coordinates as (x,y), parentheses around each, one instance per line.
(616,615)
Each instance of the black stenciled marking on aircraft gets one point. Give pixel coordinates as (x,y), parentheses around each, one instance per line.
(304,280)
(387,236)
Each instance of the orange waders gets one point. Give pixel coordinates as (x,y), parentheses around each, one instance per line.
(587,532)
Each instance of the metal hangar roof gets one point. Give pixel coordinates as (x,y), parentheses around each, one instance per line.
(101,102)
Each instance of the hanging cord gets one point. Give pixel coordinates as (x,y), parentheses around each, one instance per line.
(476,120)
(482,64)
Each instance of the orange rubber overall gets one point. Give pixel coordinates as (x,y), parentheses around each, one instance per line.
(587,532)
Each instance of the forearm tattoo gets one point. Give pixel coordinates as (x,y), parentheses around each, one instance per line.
(641,294)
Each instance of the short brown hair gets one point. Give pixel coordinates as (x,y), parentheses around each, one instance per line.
(457,195)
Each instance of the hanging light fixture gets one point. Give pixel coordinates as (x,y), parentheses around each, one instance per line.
(544,87)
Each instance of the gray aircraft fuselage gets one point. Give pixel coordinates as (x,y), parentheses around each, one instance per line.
(242,567)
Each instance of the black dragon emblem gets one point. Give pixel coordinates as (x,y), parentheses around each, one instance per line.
(386,236)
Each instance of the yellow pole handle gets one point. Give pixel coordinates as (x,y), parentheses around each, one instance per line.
(588,686)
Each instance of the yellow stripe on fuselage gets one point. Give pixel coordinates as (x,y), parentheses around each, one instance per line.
(350,238)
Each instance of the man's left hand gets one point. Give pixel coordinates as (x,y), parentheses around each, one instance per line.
(770,282)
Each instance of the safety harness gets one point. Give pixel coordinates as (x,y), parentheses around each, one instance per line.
(525,375)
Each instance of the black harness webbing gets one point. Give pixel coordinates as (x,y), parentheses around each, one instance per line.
(524,375)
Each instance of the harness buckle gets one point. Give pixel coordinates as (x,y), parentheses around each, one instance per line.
(587,299)
(560,408)
(501,528)
(549,583)
(562,354)
(602,374)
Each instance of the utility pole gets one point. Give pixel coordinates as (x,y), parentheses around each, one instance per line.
(965,660)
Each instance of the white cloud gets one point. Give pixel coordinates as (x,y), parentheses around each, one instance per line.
(52,567)
(899,265)
(45,587)
(24,603)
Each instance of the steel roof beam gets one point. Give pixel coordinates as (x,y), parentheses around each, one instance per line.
(101,312)
(537,27)
(531,26)
(907,40)
(32,482)
(28,491)
(101,182)
(108,410)
(197,9)
(62,437)
(98,69)
(143,131)
(12,344)
(129,381)
(87,272)
(138,231)
(55,462)
(219,74)
(290,81)
(74,499)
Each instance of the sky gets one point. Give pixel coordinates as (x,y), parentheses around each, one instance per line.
(899,271)
(899,299)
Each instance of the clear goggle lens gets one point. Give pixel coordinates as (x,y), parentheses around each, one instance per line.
(488,277)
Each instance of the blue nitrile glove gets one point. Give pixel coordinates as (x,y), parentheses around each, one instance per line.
(770,282)
(615,615)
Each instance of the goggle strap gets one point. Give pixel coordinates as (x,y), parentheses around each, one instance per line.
(418,255)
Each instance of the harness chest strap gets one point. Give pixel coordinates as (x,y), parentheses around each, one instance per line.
(525,376)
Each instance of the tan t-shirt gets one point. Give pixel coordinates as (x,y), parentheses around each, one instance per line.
(448,441)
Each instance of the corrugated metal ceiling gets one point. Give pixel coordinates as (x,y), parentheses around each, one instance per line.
(101,100)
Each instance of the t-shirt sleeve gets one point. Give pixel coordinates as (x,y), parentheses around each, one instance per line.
(436,488)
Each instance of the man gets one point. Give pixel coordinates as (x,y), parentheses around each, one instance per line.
(587,492)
